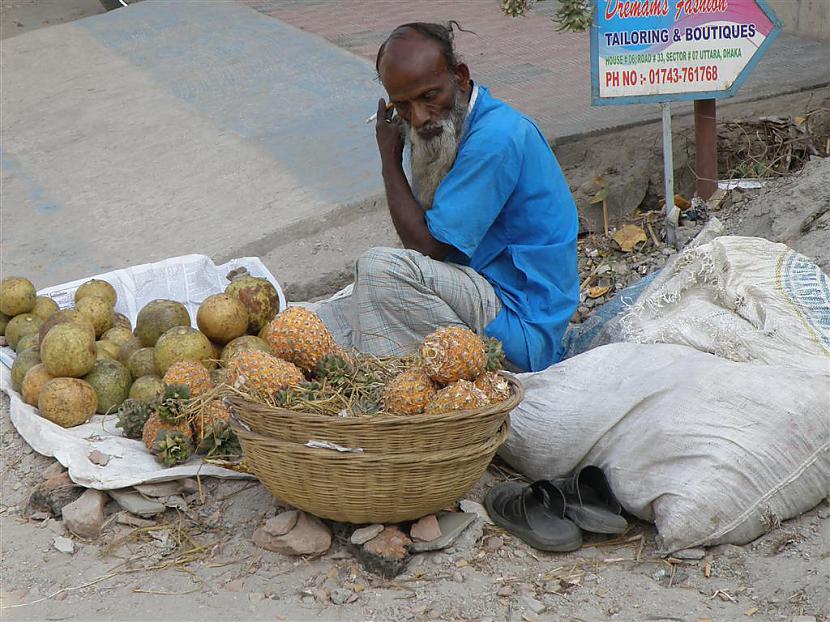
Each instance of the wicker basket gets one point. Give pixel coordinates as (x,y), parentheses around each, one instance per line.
(369,487)
(381,433)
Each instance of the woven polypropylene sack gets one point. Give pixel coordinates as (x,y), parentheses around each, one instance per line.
(710,450)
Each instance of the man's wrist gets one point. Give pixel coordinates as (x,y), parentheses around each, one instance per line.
(390,165)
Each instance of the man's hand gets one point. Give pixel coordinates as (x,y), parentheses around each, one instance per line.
(388,135)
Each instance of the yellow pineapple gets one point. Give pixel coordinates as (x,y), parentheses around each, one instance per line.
(213,413)
(214,435)
(170,443)
(494,386)
(297,335)
(408,393)
(261,373)
(460,395)
(453,353)
(191,374)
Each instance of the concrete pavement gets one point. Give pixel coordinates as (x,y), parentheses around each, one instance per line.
(528,63)
(167,128)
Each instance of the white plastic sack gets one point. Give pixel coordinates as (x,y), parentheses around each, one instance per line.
(744,299)
(708,449)
(188,279)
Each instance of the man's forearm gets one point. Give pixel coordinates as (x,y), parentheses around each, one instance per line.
(408,216)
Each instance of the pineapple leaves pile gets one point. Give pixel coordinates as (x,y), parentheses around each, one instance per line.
(515,8)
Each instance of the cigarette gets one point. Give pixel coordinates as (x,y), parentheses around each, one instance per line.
(389,107)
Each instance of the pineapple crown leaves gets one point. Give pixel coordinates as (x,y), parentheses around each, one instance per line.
(132,414)
(172,447)
(495,354)
(176,392)
(333,367)
(220,442)
(171,407)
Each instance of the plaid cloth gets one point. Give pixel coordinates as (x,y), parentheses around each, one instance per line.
(400,296)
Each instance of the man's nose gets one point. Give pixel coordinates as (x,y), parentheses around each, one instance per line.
(418,115)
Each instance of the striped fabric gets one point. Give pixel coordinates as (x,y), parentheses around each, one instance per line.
(399,296)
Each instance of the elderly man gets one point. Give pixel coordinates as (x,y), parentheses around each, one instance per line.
(487,222)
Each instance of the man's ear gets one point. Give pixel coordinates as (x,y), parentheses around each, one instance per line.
(462,76)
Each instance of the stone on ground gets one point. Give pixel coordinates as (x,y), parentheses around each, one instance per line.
(364,534)
(387,554)
(54,494)
(308,536)
(135,503)
(426,529)
(85,516)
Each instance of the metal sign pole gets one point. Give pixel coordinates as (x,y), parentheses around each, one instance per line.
(671,213)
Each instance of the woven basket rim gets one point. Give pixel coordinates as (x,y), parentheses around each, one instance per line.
(472,452)
(516,396)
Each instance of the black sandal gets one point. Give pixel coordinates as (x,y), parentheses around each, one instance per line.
(534,513)
(591,503)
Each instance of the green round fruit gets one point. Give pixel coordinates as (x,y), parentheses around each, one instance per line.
(23,362)
(44,307)
(182,343)
(111,382)
(118,335)
(157,317)
(222,318)
(146,388)
(246,343)
(98,311)
(106,350)
(142,362)
(99,288)
(68,350)
(67,402)
(259,297)
(26,342)
(4,320)
(62,317)
(20,326)
(33,383)
(17,295)
(127,348)
(119,319)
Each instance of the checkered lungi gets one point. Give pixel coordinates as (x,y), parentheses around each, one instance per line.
(399,296)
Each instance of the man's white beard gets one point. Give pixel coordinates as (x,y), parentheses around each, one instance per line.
(432,159)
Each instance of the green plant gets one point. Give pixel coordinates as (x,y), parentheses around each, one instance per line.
(574,15)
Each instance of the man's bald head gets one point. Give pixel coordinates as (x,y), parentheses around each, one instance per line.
(438,35)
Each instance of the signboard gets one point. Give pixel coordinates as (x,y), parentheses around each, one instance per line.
(668,50)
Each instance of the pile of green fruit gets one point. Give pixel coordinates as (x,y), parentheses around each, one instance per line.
(72,363)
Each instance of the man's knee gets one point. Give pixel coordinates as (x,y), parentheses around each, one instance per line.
(385,263)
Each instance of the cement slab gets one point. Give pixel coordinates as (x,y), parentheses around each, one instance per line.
(168,128)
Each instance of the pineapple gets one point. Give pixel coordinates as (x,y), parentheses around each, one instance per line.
(297,335)
(214,436)
(494,386)
(261,373)
(132,414)
(191,374)
(453,353)
(409,392)
(170,408)
(495,354)
(461,395)
(170,443)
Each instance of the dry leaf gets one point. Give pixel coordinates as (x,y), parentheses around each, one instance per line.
(596,292)
(681,202)
(629,236)
(600,196)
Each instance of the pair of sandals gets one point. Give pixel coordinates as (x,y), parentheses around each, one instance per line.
(550,515)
